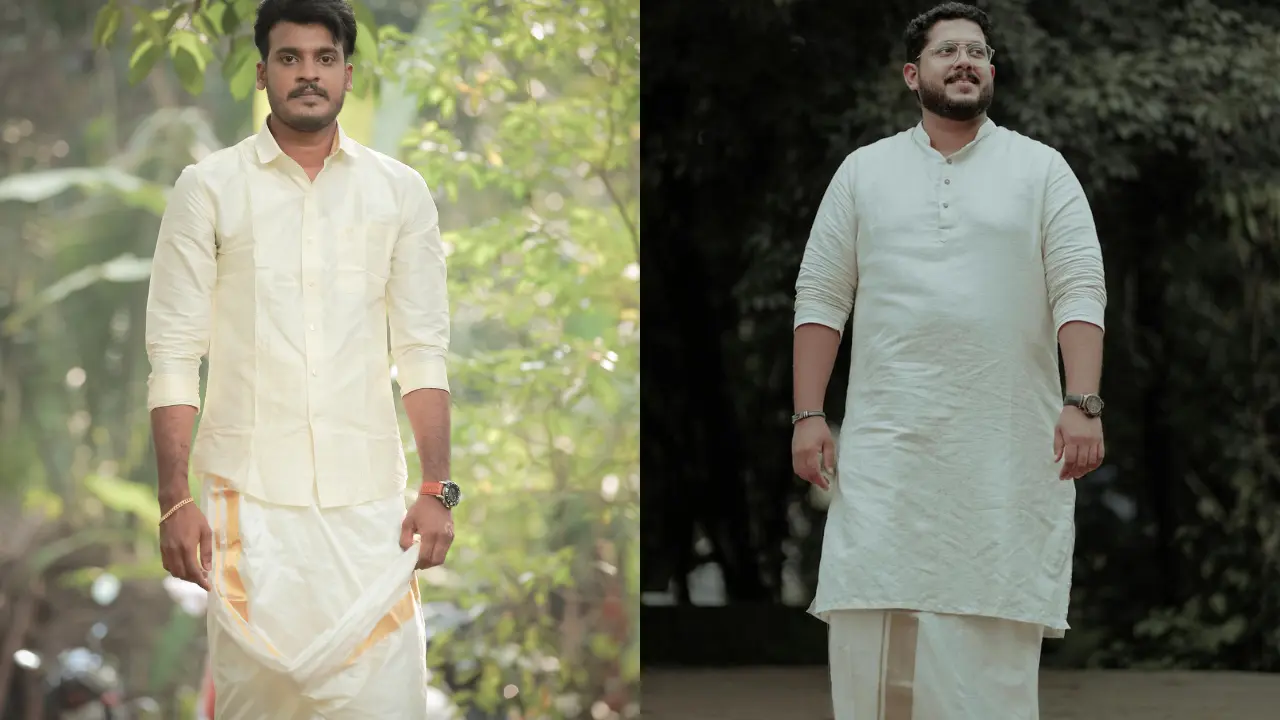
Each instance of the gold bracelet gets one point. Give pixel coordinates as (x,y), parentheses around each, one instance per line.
(174,509)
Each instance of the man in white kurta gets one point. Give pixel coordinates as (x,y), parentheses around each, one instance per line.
(948,544)
(299,261)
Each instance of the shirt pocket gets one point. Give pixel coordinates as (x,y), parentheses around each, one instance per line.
(364,257)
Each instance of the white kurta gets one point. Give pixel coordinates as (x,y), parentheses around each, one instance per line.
(964,268)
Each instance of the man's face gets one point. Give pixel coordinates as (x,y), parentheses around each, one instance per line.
(953,84)
(305,75)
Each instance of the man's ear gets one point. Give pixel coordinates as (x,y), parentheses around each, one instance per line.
(911,76)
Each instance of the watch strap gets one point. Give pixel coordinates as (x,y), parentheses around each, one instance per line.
(1082,401)
(447,492)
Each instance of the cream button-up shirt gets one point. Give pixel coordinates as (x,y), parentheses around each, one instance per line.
(959,271)
(289,286)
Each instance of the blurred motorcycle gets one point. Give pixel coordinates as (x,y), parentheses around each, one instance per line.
(81,683)
(84,686)
(439,618)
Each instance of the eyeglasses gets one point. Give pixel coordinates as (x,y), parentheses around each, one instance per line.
(949,52)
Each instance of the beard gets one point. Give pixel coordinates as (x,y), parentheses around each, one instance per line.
(934,98)
(305,122)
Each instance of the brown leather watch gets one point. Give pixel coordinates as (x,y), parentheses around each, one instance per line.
(447,492)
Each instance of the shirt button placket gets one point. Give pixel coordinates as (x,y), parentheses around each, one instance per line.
(313,328)
(311,302)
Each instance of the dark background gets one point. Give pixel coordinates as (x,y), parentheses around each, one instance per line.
(1167,111)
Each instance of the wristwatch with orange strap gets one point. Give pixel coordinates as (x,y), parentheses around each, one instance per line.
(446,492)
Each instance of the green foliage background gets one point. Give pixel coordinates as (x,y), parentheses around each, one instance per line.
(1167,113)
(524,118)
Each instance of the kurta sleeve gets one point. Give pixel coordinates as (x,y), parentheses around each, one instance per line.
(1072,257)
(829,270)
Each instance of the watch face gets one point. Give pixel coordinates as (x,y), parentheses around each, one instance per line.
(1093,405)
(451,494)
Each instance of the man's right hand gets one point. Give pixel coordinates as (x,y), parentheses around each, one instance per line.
(812,450)
(186,544)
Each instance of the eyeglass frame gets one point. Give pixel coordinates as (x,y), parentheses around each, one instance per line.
(991,52)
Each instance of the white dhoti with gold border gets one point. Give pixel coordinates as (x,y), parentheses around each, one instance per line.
(906,665)
(314,612)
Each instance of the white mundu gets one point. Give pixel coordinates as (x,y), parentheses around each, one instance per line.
(964,268)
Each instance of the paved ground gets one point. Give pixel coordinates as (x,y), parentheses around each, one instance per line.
(801,694)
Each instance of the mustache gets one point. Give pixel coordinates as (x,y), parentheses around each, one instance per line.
(309,88)
(964,75)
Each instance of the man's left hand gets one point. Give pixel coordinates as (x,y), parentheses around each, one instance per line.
(1077,443)
(432,522)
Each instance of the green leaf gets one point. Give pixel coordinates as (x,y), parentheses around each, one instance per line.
(63,547)
(124,496)
(42,185)
(200,21)
(190,42)
(106,25)
(365,19)
(221,17)
(230,19)
(367,44)
(189,60)
(189,66)
(124,268)
(148,23)
(169,18)
(362,81)
(242,51)
(245,81)
(39,186)
(144,58)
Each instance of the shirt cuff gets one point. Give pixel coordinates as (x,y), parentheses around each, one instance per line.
(420,373)
(170,390)
(1079,310)
(820,316)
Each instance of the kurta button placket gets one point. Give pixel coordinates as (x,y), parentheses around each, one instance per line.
(945,222)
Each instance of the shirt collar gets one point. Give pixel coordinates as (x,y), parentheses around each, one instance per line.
(921,138)
(268,149)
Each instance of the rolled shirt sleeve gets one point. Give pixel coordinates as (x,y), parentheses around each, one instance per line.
(828,275)
(1072,256)
(180,296)
(418,298)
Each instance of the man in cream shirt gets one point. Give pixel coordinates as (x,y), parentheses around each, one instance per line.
(973,257)
(285,258)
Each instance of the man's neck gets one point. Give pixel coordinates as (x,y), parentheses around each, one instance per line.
(306,149)
(948,136)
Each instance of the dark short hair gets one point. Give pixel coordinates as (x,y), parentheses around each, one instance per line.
(917,32)
(335,15)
